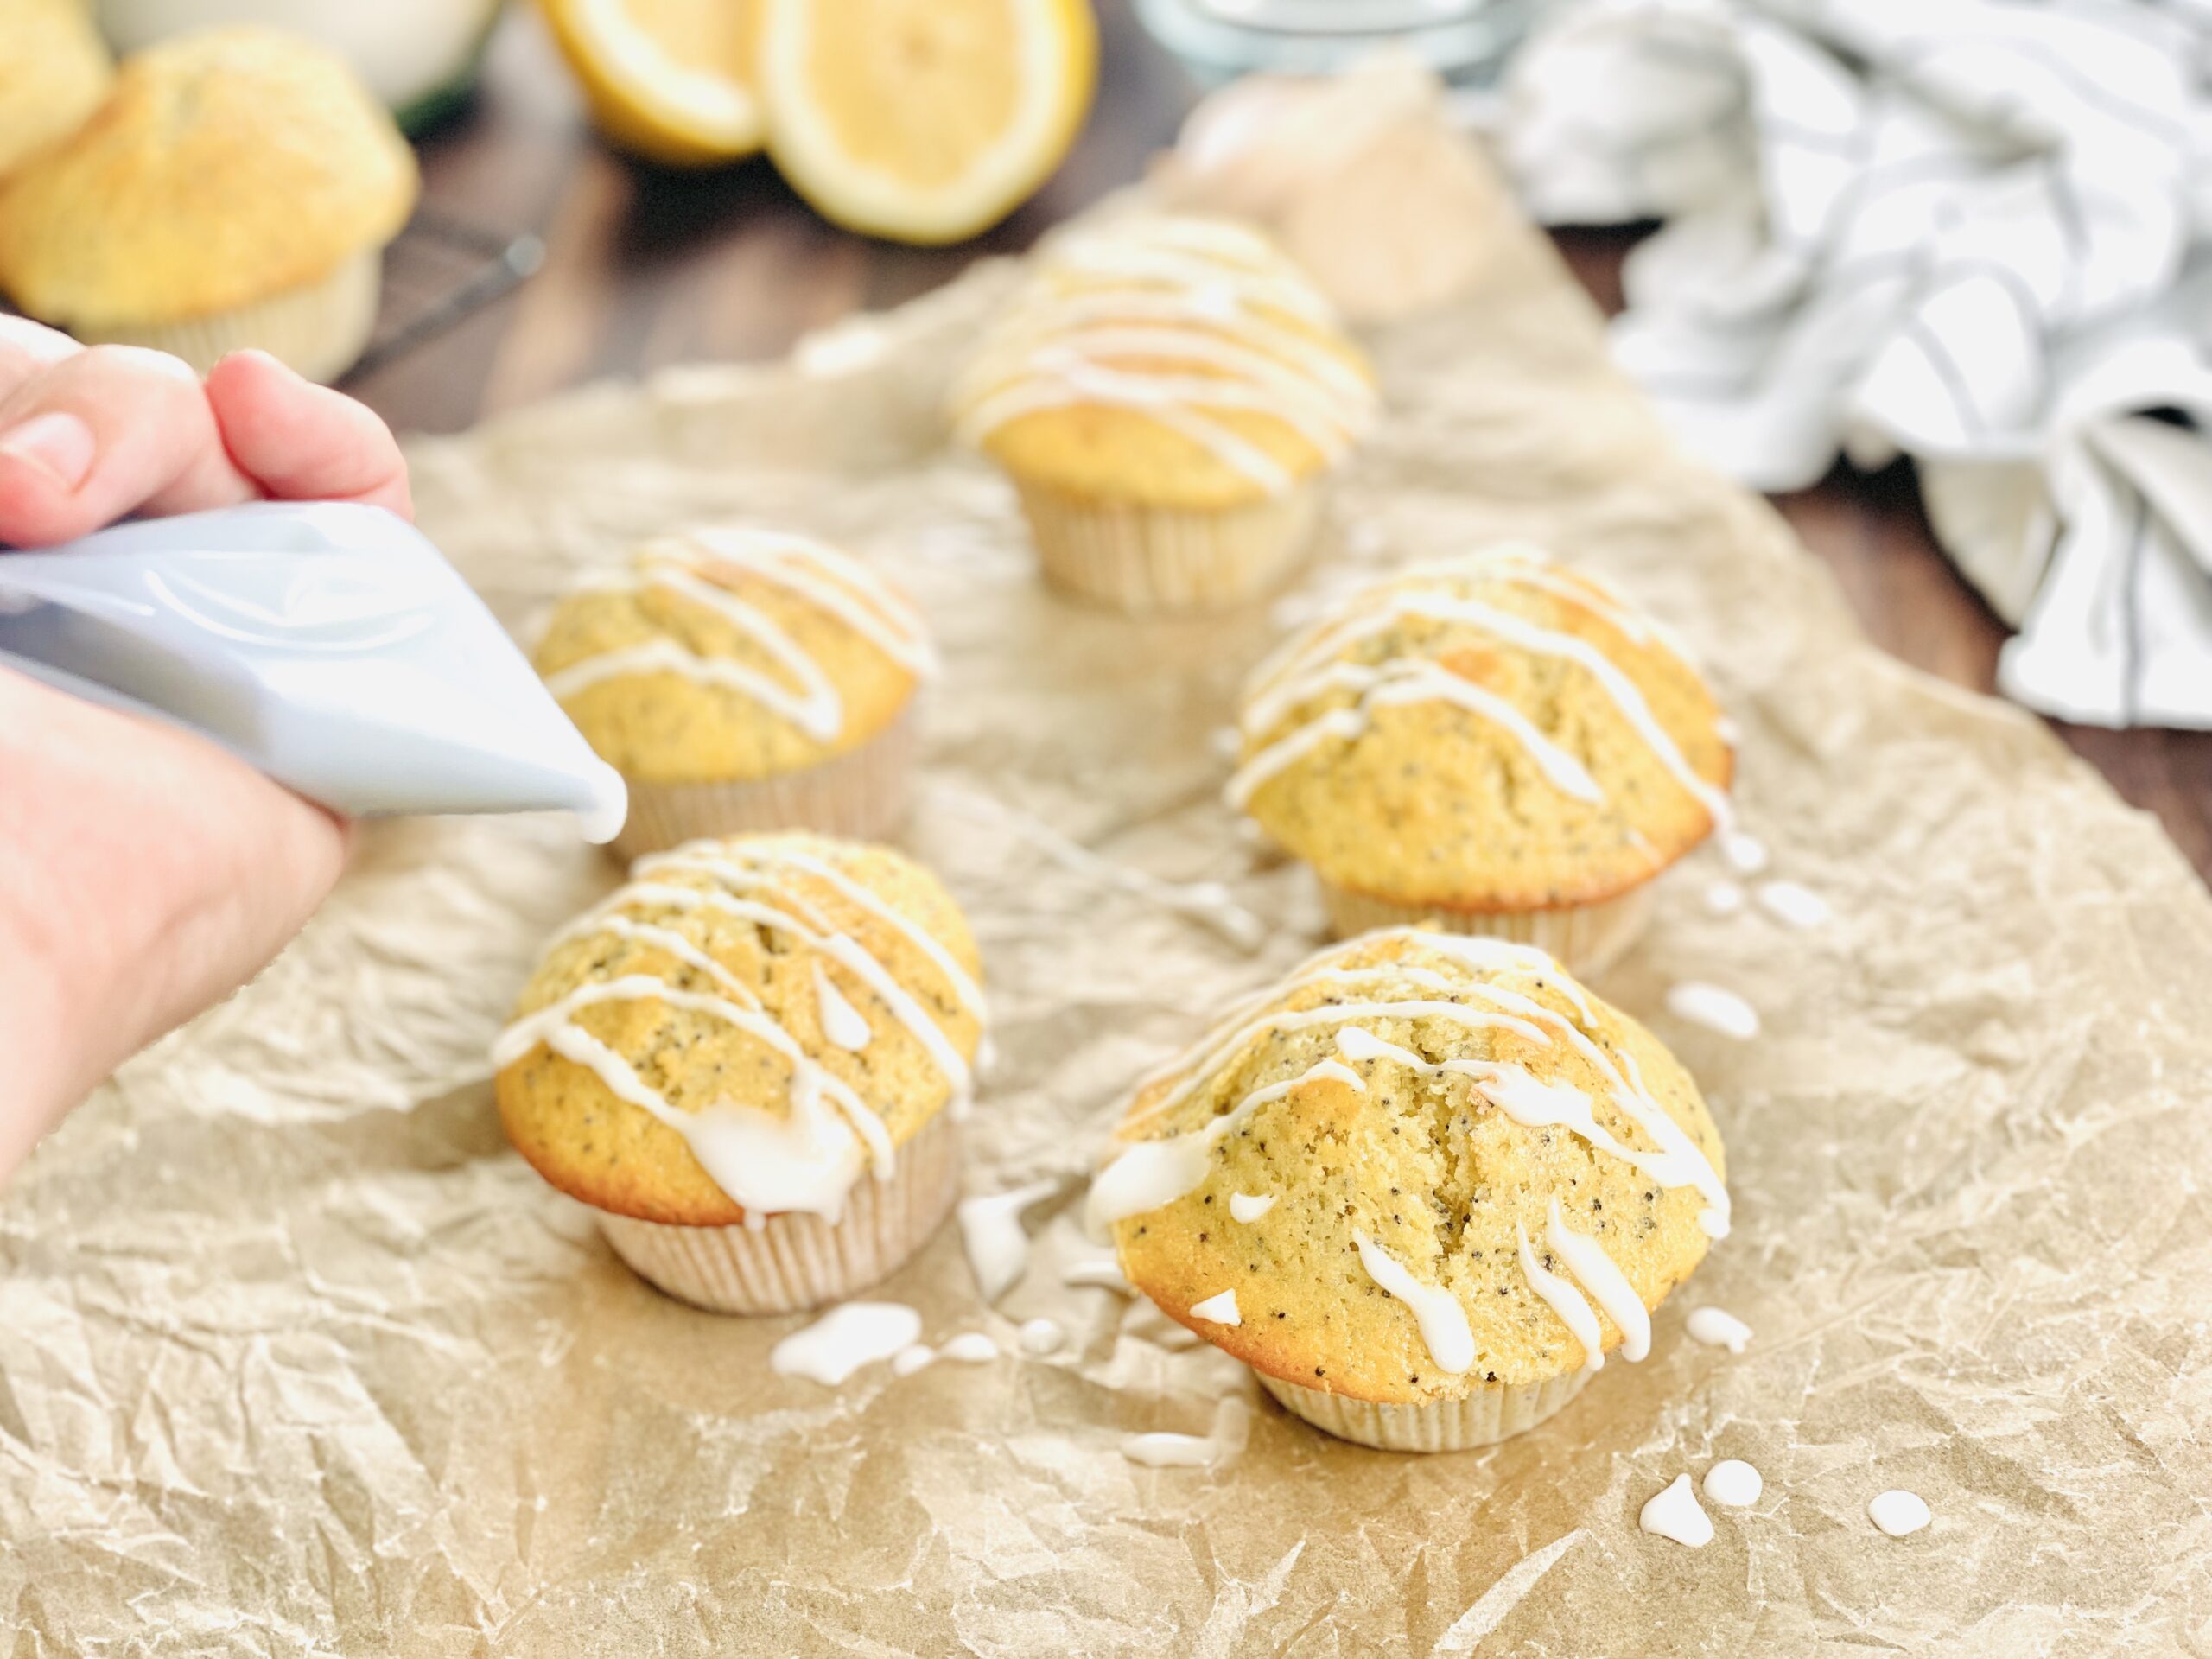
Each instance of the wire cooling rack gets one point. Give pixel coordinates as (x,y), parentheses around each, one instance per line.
(439,270)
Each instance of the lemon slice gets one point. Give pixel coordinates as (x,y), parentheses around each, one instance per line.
(923,120)
(671,80)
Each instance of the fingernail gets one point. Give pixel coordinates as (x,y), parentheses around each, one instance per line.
(58,443)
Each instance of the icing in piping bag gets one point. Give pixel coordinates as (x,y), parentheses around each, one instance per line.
(330,645)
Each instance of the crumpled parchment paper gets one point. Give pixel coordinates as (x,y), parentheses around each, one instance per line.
(296,1357)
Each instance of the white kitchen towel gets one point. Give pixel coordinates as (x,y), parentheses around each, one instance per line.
(1978,232)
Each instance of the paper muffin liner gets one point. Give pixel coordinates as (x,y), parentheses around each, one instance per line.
(1586,938)
(1150,561)
(318,328)
(862,795)
(791,1262)
(1490,1414)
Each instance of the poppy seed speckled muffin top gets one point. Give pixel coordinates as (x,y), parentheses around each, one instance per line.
(1423,1170)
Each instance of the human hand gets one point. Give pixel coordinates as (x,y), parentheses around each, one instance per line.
(144,873)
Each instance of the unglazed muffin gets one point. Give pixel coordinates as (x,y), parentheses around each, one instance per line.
(744,679)
(235,190)
(1168,395)
(1492,744)
(752,1061)
(1421,1188)
(53,72)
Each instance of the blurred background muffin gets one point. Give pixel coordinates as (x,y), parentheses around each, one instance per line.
(53,72)
(235,190)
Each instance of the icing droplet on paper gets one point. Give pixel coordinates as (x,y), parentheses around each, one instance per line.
(1160,1451)
(998,1248)
(1897,1513)
(1218,1310)
(1745,853)
(913,1357)
(1676,1514)
(1724,898)
(1096,1273)
(969,1348)
(1039,1337)
(844,1339)
(1716,1327)
(1714,1008)
(1250,1206)
(1733,1483)
(1791,902)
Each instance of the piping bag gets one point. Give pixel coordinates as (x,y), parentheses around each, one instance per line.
(328,644)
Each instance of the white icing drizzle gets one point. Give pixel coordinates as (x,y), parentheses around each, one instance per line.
(1218,1309)
(969,1348)
(1146,315)
(1733,1483)
(1566,1302)
(1791,902)
(1039,1336)
(1307,667)
(828,581)
(1164,1451)
(1676,1514)
(1250,1206)
(1716,1327)
(1096,1273)
(914,1357)
(1714,1008)
(845,1338)
(1607,1286)
(1898,1512)
(1436,1311)
(841,1023)
(997,1246)
(1746,854)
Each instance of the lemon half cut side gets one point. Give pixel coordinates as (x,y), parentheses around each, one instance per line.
(671,80)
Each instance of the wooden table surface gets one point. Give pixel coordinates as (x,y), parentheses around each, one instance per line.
(643,267)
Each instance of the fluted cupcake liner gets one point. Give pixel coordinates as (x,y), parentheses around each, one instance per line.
(1586,938)
(791,1263)
(318,328)
(1490,1414)
(1149,561)
(862,795)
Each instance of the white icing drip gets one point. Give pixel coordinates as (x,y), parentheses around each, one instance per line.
(1746,854)
(1219,1309)
(915,1356)
(844,1339)
(1607,1286)
(1039,1337)
(1096,1273)
(1164,1451)
(1798,906)
(998,1248)
(1717,1328)
(1676,1514)
(857,894)
(969,1348)
(817,717)
(1442,1321)
(1898,1512)
(841,1023)
(857,599)
(1714,1008)
(1249,1207)
(1733,1483)
(1566,1302)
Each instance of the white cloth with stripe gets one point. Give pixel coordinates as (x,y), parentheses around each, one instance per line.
(1978,232)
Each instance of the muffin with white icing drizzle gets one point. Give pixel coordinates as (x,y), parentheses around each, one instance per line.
(1168,395)
(744,679)
(1422,1187)
(1491,744)
(751,1060)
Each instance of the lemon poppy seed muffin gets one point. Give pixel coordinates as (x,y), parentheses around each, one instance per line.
(1491,744)
(752,1060)
(1168,394)
(235,190)
(744,679)
(53,75)
(1422,1187)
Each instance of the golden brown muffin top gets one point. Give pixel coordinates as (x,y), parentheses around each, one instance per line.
(1493,732)
(53,75)
(1404,1161)
(733,653)
(1180,362)
(748,1025)
(227,166)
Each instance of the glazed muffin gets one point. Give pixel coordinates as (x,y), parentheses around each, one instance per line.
(752,1061)
(1492,744)
(1168,395)
(235,190)
(744,679)
(1422,1188)
(53,75)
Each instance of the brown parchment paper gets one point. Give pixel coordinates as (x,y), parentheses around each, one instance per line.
(295,1358)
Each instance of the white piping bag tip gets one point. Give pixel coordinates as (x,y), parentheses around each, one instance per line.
(329,645)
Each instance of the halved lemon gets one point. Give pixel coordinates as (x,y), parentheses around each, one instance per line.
(923,120)
(672,79)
